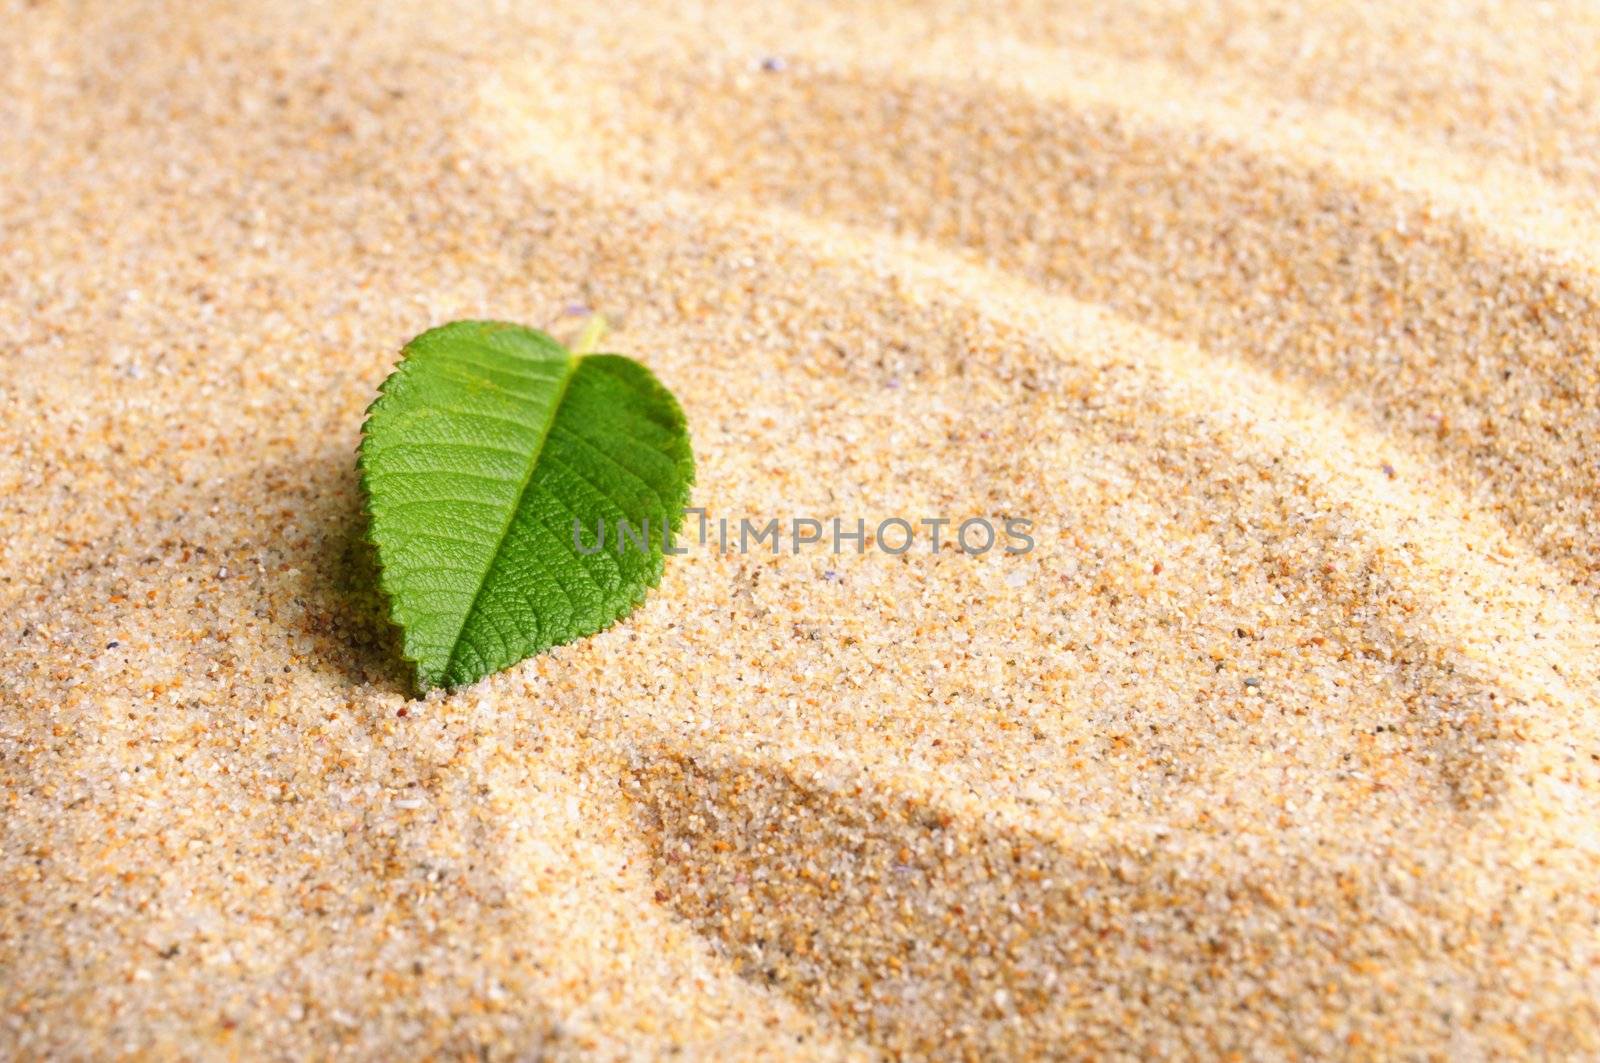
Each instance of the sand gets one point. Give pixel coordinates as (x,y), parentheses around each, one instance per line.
(1282,326)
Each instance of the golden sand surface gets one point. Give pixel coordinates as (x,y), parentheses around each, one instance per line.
(1281,321)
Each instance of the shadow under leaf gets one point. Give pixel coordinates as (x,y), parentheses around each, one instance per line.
(350,612)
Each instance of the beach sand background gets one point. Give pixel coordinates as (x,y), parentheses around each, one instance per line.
(1281,321)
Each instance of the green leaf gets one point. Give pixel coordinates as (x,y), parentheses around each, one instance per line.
(484,445)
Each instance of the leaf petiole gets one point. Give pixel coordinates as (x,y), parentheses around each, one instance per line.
(594,330)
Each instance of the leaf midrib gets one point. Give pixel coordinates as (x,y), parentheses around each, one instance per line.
(516,507)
